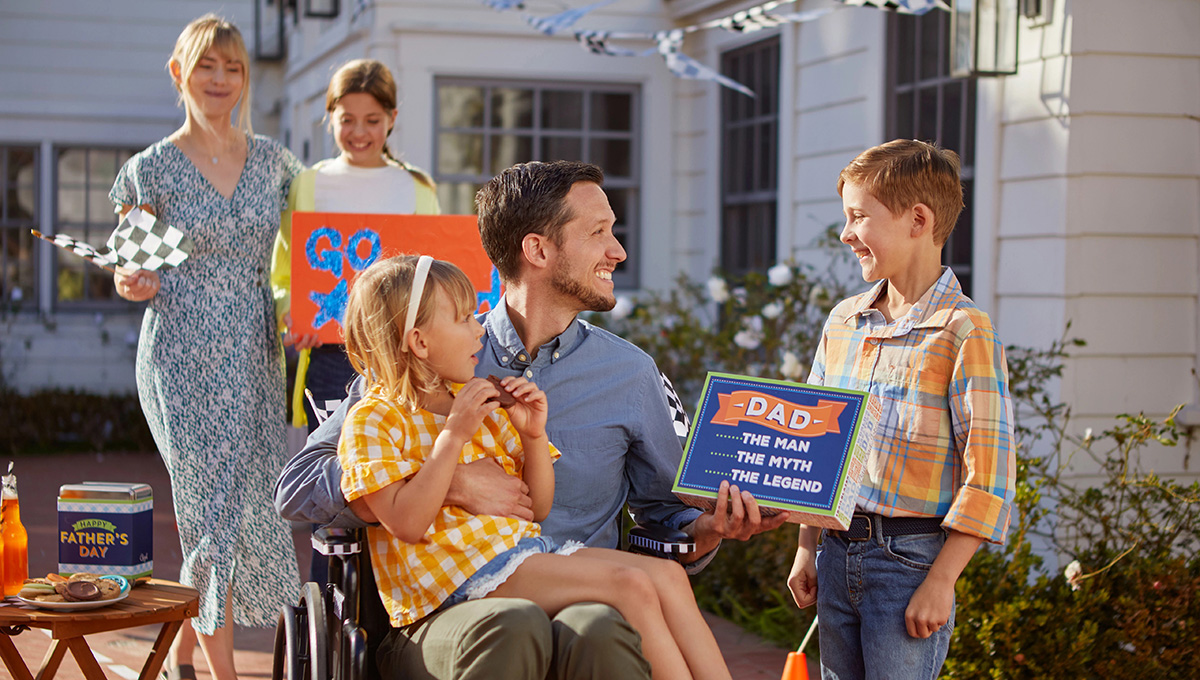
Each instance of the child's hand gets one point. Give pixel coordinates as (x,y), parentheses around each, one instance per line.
(471,405)
(802,580)
(528,414)
(929,608)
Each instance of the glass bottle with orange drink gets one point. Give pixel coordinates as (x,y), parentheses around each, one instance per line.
(16,541)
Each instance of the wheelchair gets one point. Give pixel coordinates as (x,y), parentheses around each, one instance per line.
(333,632)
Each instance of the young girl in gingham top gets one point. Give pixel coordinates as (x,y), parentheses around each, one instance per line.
(424,412)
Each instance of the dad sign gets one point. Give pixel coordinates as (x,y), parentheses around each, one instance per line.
(330,249)
(795,447)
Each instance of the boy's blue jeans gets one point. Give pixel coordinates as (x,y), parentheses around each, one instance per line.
(863,588)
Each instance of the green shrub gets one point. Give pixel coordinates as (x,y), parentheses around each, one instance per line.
(1134,609)
(66,420)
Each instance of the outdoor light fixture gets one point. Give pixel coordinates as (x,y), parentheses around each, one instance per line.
(983,37)
(321,9)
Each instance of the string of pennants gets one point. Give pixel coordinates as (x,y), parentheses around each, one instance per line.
(668,44)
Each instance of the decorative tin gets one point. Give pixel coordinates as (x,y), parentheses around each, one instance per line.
(106,528)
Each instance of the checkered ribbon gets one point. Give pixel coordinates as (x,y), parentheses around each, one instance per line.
(684,66)
(679,416)
(596,42)
(141,241)
(556,22)
(917,7)
(322,408)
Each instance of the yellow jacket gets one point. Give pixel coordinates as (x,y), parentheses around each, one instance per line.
(302,198)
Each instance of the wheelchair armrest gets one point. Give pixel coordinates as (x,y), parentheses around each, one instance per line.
(659,540)
(331,541)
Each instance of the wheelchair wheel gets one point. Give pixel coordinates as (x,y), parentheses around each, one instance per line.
(302,639)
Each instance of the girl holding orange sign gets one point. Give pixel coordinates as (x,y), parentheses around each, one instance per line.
(364,178)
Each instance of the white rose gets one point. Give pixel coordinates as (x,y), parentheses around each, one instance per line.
(791,368)
(623,308)
(1073,572)
(772,310)
(747,339)
(779,275)
(718,291)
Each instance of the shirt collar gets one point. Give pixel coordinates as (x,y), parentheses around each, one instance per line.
(510,351)
(931,311)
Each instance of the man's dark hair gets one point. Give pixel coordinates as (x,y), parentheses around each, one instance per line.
(527,198)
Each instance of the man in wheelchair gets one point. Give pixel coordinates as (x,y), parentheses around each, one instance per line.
(548,229)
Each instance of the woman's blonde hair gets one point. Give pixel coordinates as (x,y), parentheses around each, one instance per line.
(374,322)
(212,32)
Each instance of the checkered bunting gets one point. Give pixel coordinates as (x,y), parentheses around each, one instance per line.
(141,241)
(679,416)
(556,22)
(322,408)
(669,44)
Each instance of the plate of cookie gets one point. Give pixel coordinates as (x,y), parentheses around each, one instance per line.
(77,592)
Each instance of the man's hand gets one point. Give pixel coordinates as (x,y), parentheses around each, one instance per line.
(484,488)
(735,516)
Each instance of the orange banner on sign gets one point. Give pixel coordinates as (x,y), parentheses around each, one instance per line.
(778,414)
(330,249)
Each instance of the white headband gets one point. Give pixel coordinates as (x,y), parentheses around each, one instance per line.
(414,297)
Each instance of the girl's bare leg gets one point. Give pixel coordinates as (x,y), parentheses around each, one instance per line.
(556,581)
(688,627)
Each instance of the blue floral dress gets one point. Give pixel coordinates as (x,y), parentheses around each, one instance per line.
(210,377)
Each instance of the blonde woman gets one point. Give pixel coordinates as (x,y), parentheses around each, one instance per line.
(208,364)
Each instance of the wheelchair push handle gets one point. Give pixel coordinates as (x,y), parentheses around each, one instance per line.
(331,541)
(658,540)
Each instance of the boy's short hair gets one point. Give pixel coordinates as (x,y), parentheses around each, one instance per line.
(905,172)
(528,198)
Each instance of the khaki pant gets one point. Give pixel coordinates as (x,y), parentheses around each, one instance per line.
(512,639)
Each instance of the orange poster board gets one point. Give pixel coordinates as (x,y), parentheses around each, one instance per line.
(330,249)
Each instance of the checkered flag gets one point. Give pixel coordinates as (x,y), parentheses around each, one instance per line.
(684,66)
(141,241)
(101,258)
(322,408)
(679,416)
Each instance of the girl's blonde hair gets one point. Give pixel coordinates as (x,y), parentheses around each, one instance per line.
(211,31)
(374,323)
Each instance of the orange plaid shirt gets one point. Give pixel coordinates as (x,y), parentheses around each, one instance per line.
(945,444)
(382,444)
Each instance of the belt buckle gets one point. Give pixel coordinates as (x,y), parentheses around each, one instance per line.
(870,528)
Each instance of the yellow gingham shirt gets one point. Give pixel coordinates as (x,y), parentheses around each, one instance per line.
(382,444)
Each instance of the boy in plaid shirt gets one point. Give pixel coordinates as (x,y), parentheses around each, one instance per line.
(939,479)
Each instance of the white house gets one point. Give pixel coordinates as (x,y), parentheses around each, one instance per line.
(1082,169)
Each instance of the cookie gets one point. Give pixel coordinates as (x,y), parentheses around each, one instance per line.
(505,399)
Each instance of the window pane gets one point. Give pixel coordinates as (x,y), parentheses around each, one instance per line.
(72,205)
(100,212)
(508,150)
(928,115)
(512,108)
(930,45)
(457,198)
(952,116)
(460,153)
(612,155)
(618,198)
(561,149)
(102,167)
(904,26)
(72,167)
(460,106)
(903,116)
(612,111)
(16,250)
(562,110)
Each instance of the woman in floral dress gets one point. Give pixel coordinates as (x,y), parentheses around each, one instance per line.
(209,363)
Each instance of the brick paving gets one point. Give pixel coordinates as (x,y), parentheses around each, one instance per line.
(122,654)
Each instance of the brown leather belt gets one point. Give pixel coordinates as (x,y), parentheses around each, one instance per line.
(862,527)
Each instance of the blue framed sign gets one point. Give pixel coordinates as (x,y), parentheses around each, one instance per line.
(795,447)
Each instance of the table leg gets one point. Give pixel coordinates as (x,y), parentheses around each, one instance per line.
(158,653)
(52,660)
(83,656)
(12,659)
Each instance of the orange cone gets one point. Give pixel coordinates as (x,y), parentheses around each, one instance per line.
(796,667)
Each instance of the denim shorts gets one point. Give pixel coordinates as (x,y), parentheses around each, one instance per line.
(863,591)
(491,575)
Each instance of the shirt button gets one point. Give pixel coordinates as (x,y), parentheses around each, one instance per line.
(556,355)
(504,360)
(521,357)
(528,374)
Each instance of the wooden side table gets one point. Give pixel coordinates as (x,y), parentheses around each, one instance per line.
(158,601)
